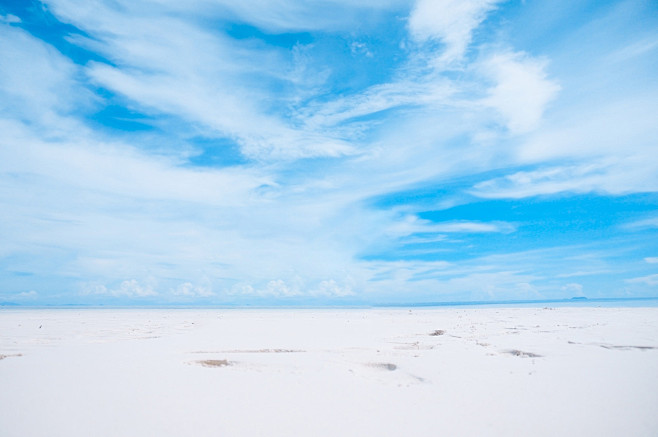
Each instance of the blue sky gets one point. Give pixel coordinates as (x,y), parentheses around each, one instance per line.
(327,152)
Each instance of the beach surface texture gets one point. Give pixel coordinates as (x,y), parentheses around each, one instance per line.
(359,372)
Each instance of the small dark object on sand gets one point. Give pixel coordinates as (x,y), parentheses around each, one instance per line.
(214,363)
(385,366)
(522,354)
(438,332)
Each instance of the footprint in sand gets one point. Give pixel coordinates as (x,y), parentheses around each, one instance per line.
(522,354)
(2,357)
(384,366)
(214,363)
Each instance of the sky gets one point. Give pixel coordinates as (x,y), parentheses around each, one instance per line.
(327,152)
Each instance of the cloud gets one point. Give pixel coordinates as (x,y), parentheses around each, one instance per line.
(26,295)
(275,288)
(476,286)
(37,83)
(650,280)
(651,259)
(450,21)
(189,290)
(574,289)
(9,19)
(172,66)
(294,288)
(579,179)
(130,288)
(411,225)
(360,48)
(119,170)
(643,224)
(410,230)
(612,176)
(635,49)
(522,89)
(330,288)
(473,227)
(620,129)
(378,98)
(285,16)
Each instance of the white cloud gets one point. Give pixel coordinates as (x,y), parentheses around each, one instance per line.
(275,288)
(295,287)
(651,259)
(409,225)
(450,21)
(283,15)
(573,289)
(130,288)
(620,128)
(173,66)
(37,83)
(613,176)
(378,98)
(279,288)
(497,285)
(330,288)
(473,227)
(650,280)
(27,295)
(93,289)
(545,181)
(119,170)
(360,48)
(522,89)
(638,225)
(190,290)
(9,19)
(635,49)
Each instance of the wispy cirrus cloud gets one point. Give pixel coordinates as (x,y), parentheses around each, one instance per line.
(650,280)
(9,18)
(450,22)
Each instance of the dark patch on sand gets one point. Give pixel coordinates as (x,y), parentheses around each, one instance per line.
(252,351)
(384,366)
(617,347)
(214,363)
(2,357)
(437,332)
(522,354)
(627,348)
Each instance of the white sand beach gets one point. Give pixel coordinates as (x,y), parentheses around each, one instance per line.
(431,372)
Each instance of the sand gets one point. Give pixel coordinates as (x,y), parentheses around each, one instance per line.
(435,372)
